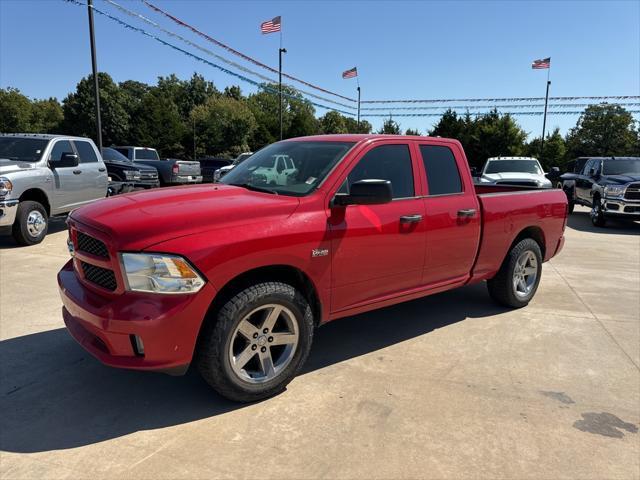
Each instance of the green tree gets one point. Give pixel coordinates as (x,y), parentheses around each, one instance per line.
(15,111)
(412,131)
(187,94)
(333,122)
(46,116)
(233,92)
(159,125)
(390,127)
(603,130)
(79,111)
(353,127)
(451,125)
(554,154)
(264,106)
(224,126)
(303,119)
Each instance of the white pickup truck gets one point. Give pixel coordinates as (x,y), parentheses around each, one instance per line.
(521,171)
(46,175)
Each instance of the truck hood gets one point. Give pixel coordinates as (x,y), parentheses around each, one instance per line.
(9,166)
(139,220)
(620,179)
(515,176)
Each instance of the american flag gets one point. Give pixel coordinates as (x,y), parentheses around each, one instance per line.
(271,26)
(542,63)
(350,73)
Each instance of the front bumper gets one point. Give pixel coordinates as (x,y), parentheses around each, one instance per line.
(620,207)
(167,325)
(8,210)
(186,179)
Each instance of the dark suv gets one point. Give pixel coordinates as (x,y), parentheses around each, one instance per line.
(121,169)
(609,185)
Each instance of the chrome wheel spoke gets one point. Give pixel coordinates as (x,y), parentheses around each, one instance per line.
(283,339)
(272,317)
(247,329)
(530,271)
(241,360)
(266,362)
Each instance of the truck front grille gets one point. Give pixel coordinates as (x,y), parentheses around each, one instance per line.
(148,176)
(92,246)
(102,277)
(632,192)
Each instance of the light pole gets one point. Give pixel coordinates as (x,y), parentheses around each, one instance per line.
(94,66)
(280,52)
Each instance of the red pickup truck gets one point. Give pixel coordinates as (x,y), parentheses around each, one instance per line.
(234,277)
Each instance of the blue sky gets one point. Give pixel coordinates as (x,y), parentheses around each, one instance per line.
(412,49)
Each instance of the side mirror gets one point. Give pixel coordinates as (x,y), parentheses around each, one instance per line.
(366,192)
(592,172)
(475,172)
(555,170)
(67,159)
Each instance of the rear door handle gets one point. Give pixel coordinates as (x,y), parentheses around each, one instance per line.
(77,172)
(467,212)
(411,218)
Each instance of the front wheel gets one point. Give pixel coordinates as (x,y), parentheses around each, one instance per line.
(258,342)
(31,223)
(516,282)
(597,214)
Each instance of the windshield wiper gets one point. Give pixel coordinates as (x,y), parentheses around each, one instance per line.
(248,186)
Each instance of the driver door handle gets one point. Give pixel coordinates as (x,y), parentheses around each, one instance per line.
(77,172)
(467,212)
(411,218)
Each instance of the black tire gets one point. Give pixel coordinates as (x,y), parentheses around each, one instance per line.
(570,207)
(597,214)
(20,230)
(501,287)
(212,356)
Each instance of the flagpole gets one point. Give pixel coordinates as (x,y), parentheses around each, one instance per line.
(358,82)
(544,120)
(280,52)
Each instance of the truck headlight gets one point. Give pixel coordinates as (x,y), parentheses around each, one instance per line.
(132,175)
(5,186)
(614,190)
(158,273)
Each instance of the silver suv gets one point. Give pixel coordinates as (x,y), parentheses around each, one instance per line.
(46,175)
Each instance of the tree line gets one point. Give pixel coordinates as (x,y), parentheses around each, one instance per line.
(175,116)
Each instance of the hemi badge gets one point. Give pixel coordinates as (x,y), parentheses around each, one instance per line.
(319,252)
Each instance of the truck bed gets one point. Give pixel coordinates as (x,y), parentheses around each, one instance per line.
(507,211)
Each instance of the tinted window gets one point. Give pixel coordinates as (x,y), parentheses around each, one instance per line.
(113,155)
(588,166)
(86,152)
(387,162)
(146,154)
(22,149)
(60,148)
(443,176)
(123,151)
(521,166)
(629,166)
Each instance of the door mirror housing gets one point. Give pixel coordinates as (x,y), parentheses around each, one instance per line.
(593,172)
(366,192)
(67,160)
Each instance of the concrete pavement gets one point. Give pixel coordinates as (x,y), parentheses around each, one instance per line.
(448,386)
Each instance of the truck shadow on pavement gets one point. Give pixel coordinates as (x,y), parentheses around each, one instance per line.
(55,396)
(582,222)
(56,224)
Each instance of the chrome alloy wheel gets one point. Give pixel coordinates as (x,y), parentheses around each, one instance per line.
(36,223)
(263,343)
(525,274)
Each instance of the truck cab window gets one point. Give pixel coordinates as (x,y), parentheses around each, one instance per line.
(387,162)
(443,177)
(86,152)
(60,148)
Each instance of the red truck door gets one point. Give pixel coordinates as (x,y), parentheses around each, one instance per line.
(378,249)
(452,214)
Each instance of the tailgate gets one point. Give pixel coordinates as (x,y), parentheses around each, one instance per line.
(188,168)
(505,215)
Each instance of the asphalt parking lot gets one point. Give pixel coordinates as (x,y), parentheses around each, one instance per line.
(444,387)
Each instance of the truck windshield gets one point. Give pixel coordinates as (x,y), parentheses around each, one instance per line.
(519,166)
(146,154)
(22,149)
(113,155)
(621,167)
(304,166)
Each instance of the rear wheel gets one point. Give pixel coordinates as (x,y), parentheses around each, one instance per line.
(31,223)
(516,282)
(258,343)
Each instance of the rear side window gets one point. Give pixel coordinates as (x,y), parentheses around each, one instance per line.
(146,154)
(60,148)
(86,152)
(387,162)
(443,177)
(123,151)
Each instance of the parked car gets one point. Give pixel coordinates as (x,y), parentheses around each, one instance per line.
(170,170)
(209,165)
(237,282)
(222,171)
(610,186)
(121,169)
(45,175)
(524,171)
